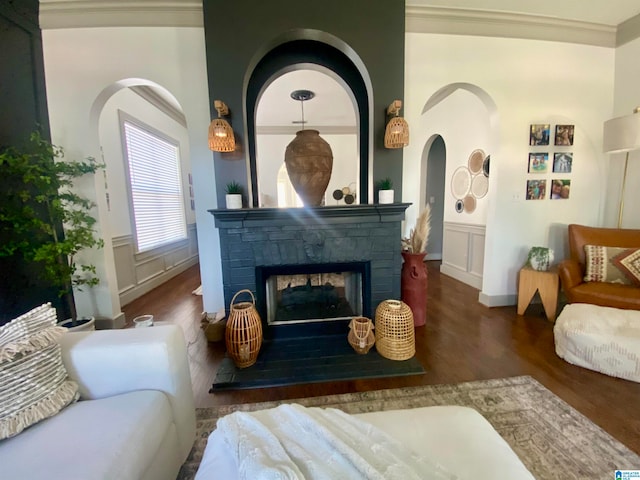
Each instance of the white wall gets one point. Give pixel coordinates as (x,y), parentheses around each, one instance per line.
(83,68)
(529,81)
(627,97)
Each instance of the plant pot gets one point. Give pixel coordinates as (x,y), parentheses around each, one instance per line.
(82,324)
(385,196)
(540,258)
(234,200)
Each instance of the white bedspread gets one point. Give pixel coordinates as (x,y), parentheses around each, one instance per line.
(294,442)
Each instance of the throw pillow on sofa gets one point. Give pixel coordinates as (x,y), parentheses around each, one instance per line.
(612,265)
(33,381)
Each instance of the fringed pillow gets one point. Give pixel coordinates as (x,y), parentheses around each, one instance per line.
(612,265)
(33,381)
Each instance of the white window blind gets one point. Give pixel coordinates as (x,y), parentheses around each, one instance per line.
(156,188)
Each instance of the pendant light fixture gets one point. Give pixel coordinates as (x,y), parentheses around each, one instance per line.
(221,138)
(308,159)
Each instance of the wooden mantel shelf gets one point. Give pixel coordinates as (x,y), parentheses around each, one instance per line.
(246,217)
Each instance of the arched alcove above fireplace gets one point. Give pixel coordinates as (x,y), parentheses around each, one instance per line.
(329,57)
(362,42)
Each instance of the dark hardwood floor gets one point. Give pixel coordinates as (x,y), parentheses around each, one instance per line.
(461,341)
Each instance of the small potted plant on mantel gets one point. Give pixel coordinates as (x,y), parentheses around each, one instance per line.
(233,195)
(385,190)
(45,221)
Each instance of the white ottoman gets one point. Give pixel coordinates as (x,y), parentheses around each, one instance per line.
(603,339)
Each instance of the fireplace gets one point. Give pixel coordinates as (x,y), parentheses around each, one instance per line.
(313,293)
(312,269)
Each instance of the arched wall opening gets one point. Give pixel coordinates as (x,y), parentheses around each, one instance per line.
(465,117)
(306,53)
(432,179)
(153,108)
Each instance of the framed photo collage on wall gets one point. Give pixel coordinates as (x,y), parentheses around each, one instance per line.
(549,163)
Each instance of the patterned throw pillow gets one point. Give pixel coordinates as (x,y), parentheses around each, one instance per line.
(612,265)
(33,381)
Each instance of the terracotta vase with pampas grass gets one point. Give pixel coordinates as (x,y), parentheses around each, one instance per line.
(414,271)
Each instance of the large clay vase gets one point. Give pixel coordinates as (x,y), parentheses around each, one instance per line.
(413,286)
(309,161)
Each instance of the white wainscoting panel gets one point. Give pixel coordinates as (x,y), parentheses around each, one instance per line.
(138,273)
(463,252)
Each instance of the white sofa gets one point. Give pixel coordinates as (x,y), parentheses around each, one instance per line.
(135,418)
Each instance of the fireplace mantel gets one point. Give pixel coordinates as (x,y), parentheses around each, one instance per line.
(247,217)
(251,238)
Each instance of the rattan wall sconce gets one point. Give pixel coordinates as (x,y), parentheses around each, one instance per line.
(221,138)
(396,134)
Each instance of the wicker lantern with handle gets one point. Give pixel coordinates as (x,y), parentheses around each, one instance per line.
(361,336)
(243,334)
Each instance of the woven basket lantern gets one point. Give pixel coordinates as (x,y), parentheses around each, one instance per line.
(396,134)
(243,334)
(395,337)
(361,336)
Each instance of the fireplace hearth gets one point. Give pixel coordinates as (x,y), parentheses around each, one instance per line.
(312,269)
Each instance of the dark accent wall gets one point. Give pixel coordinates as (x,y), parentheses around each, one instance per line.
(240,33)
(24,110)
(22,85)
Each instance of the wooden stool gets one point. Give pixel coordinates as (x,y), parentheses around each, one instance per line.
(546,283)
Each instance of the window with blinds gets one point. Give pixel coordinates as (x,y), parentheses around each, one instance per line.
(156,188)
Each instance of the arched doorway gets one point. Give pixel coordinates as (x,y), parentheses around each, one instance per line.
(464,116)
(434,162)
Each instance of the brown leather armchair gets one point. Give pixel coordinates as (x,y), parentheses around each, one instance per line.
(572,271)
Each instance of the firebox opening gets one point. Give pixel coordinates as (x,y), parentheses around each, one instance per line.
(296,294)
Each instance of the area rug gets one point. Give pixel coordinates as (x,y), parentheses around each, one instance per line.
(551,438)
(327,358)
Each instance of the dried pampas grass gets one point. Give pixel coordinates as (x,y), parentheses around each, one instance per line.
(418,237)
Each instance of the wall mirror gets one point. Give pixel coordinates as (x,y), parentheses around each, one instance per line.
(332,111)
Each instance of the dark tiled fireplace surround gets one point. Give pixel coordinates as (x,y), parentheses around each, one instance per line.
(317,236)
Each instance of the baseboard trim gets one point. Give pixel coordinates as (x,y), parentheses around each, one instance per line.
(461,276)
(498,300)
(111,323)
(155,281)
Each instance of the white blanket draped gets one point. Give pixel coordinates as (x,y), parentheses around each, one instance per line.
(294,442)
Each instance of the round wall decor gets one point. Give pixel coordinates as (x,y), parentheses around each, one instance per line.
(479,186)
(485,165)
(469,204)
(475,161)
(459,206)
(461,182)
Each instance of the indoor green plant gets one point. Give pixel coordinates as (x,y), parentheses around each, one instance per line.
(43,220)
(233,195)
(385,190)
(539,258)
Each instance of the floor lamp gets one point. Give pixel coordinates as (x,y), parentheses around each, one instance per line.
(622,134)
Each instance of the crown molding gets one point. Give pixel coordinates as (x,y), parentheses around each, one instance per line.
(160,103)
(120,13)
(422,19)
(419,19)
(628,31)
